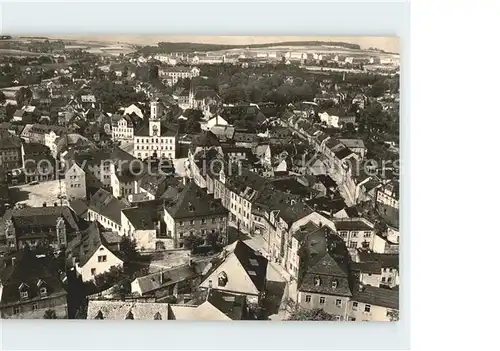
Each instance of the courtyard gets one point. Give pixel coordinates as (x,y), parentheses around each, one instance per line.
(36,195)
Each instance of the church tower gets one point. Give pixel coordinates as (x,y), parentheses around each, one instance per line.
(154,119)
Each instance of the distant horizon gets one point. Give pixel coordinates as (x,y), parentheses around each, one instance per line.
(388,44)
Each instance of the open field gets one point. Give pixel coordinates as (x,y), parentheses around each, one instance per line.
(36,195)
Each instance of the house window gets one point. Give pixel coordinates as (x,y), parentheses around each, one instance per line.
(343,234)
(34,307)
(354,234)
(213,220)
(192,222)
(338,303)
(203,221)
(181,235)
(353,244)
(354,306)
(334,284)
(368,308)
(181,223)
(92,271)
(317,281)
(17,309)
(308,298)
(367,234)
(322,300)
(102,258)
(43,292)
(389,280)
(24,294)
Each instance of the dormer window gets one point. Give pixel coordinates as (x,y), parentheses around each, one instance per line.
(43,291)
(99,315)
(157,316)
(335,284)
(222,279)
(23,291)
(317,281)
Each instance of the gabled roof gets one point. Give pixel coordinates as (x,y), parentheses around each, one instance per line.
(383,297)
(253,263)
(327,276)
(116,310)
(353,224)
(30,271)
(142,218)
(107,205)
(152,282)
(27,218)
(195,202)
(84,248)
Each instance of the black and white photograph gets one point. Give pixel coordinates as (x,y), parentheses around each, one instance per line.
(202,178)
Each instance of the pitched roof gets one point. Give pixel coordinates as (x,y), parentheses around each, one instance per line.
(353,143)
(352,224)
(326,276)
(383,297)
(9,141)
(195,202)
(253,263)
(78,206)
(31,271)
(142,218)
(107,205)
(26,218)
(99,309)
(372,267)
(385,260)
(84,248)
(152,282)
(229,304)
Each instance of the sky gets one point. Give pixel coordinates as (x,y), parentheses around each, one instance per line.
(390,44)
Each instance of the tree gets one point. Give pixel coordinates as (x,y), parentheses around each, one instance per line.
(315,314)
(50,314)
(192,242)
(393,315)
(128,249)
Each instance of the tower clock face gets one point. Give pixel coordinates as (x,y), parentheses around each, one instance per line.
(155,130)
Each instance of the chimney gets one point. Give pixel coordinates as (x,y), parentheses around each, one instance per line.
(161,277)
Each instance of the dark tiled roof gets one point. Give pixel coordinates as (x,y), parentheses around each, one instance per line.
(352,225)
(30,270)
(107,205)
(27,218)
(385,260)
(326,204)
(388,298)
(152,282)
(84,248)
(252,263)
(79,207)
(343,153)
(142,218)
(373,267)
(203,94)
(195,202)
(9,141)
(231,305)
(326,271)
